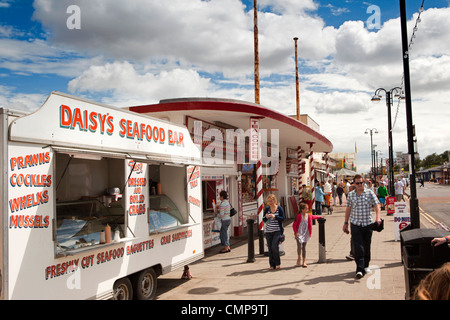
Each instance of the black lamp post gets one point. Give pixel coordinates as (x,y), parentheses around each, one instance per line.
(413,201)
(372,131)
(397,91)
(377,172)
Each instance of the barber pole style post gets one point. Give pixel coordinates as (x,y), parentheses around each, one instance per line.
(300,173)
(311,165)
(255,155)
(259,196)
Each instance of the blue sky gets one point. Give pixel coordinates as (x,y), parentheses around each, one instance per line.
(138,52)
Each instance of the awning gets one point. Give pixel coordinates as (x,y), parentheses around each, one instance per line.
(331,175)
(345,172)
(292,133)
(90,154)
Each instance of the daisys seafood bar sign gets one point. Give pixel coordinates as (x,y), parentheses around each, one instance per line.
(64,120)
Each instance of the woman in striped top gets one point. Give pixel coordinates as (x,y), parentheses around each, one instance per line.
(273,216)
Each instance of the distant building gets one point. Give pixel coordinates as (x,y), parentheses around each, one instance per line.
(402,159)
(320,161)
(439,174)
(345,160)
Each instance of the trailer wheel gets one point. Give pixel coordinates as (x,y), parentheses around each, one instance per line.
(122,289)
(144,285)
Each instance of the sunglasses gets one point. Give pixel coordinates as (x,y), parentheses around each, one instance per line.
(358,183)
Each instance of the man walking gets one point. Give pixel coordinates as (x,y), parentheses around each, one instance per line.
(399,189)
(359,213)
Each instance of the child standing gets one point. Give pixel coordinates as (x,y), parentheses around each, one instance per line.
(302,230)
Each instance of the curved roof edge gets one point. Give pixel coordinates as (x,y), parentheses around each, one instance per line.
(232,105)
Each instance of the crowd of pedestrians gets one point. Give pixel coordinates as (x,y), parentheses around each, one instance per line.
(361,202)
(363,198)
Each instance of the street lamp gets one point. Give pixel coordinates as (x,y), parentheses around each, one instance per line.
(374,161)
(413,201)
(379,153)
(376,153)
(394,92)
(374,130)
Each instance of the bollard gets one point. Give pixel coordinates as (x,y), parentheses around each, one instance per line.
(251,243)
(322,252)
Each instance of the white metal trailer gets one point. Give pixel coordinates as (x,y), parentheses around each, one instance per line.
(96,201)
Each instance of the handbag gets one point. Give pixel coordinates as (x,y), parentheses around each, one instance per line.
(233,212)
(282,238)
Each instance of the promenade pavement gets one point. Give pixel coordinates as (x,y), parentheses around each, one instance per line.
(230,277)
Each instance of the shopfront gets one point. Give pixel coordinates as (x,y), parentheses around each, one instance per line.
(221,128)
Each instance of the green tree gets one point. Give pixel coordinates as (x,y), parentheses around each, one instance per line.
(433,160)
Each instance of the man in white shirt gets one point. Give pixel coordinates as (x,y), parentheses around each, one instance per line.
(405,183)
(327,190)
(327,187)
(399,189)
(346,188)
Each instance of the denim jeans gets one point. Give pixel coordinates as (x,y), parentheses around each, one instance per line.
(224,239)
(273,240)
(361,241)
(318,208)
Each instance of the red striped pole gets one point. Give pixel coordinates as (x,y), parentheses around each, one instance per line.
(255,155)
(300,172)
(311,164)
(259,196)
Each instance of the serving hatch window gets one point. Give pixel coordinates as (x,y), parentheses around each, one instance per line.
(101,199)
(163,214)
(167,201)
(89,202)
(83,223)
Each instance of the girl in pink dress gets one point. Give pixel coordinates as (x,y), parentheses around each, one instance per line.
(302,230)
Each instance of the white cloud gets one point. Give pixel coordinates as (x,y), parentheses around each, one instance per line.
(336,11)
(431,74)
(5,4)
(210,34)
(432,33)
(123,80)
(38,57)
(21,101)
(214,36)
(141,51)
(288,6)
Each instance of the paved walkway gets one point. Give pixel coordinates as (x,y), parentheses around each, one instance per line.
(229,276)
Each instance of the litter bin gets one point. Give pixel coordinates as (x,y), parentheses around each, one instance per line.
(419,257)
